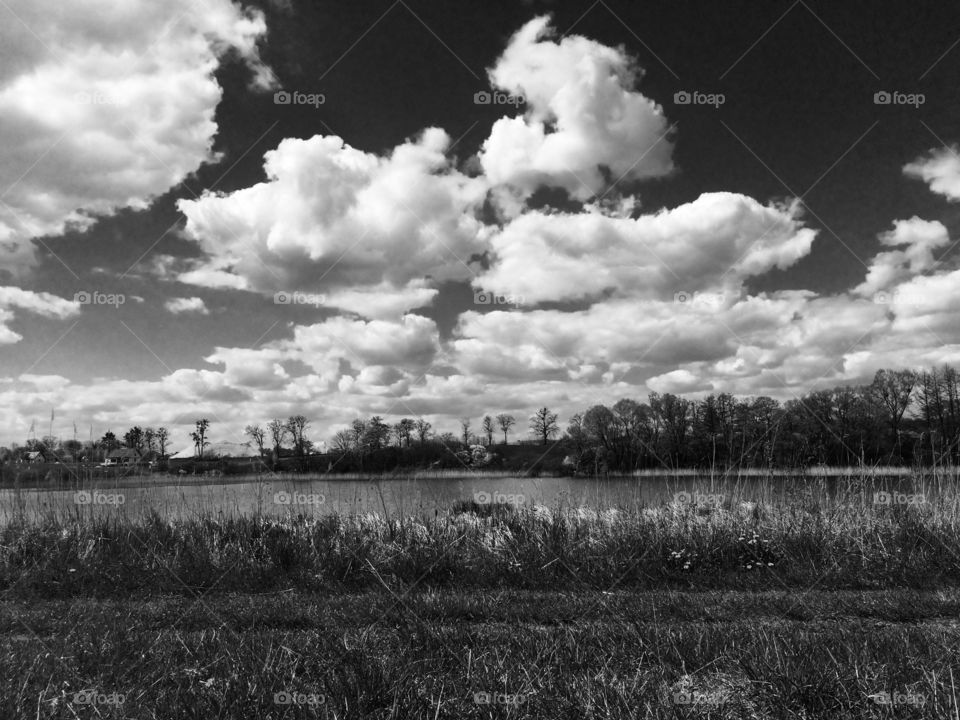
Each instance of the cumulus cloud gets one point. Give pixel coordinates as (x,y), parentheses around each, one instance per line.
(940,169)
(95,115)
(40,303)
(179,306)
(335,220)
(711,243)
(582,117)
(921,237)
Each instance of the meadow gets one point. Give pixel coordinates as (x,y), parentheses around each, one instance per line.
(805,604)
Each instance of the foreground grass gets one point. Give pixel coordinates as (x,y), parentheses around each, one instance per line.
(841,545)
(800,610)
(538,654)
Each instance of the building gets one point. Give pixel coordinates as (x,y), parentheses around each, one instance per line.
(122,457)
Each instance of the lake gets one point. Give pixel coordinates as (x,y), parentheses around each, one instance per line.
(177,498)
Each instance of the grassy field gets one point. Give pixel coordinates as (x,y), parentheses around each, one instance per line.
(802,609)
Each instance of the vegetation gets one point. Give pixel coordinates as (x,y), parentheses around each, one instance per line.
(816,606)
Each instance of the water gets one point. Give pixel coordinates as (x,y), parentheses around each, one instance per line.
(279,497)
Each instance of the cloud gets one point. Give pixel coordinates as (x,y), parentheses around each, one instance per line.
(96,116)
(940,169)
(179,306)
(39,303)
(713,242)
(921,237)
(348,224)
(582,117)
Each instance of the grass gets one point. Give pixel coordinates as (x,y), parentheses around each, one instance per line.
(800,608)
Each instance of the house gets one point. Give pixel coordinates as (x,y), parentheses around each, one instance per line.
(122,457)
(37,456)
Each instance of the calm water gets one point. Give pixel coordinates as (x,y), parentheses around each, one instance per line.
(423,496)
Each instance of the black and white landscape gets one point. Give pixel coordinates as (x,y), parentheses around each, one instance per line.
(488,359)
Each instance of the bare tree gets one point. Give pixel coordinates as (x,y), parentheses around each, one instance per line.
(163,439)
(465,430)
(488,428)
(297,427)
(423,429)
(255,433)
(505,422)
(892,391)
(543,424)
(343,441)
(278,432)
(200,436)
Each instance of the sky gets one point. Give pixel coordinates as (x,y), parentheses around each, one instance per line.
(247,211)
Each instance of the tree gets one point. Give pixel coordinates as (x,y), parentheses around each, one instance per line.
(488,428)
(423,429)
(377,434)
(255,433)
(403,430)
(506,422)
(543,424)
(343,442)
(358,430)
(150,439)
(109,441)
(278,432)
(200,436)
(465,430)
(892,390)
(163,439)
(297,427)
(133,438)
